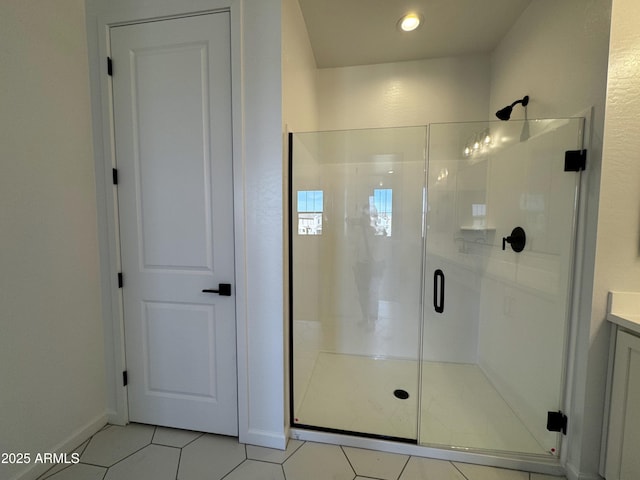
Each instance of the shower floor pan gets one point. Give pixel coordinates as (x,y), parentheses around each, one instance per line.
(461,408)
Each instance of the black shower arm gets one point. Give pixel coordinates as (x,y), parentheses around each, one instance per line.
(524,101)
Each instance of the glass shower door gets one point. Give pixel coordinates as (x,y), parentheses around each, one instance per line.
(356,242)
(501,216)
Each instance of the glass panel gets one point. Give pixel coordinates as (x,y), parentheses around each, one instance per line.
(356,257)
(494,359)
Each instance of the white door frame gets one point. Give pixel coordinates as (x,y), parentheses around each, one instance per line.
(260,423)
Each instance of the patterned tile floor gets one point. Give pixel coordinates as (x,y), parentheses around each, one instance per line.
(144,452)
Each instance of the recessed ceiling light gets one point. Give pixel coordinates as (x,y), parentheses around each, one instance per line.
(409,22)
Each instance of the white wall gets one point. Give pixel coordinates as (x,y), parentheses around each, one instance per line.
(557,54)
(52,366)
(404,93)
(618,247)
(299,73)
(263,192)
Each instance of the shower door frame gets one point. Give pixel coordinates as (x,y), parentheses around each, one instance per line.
(343,433)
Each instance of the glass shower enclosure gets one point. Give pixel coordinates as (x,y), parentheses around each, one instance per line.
(357,227)
(430,273)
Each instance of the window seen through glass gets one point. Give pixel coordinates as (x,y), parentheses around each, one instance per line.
(309,209)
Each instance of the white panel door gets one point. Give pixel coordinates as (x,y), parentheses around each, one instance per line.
(172,110)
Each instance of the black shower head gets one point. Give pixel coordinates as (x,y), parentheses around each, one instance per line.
(505,113)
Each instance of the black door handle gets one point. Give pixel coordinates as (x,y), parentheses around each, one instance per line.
(224,289)
(438,299)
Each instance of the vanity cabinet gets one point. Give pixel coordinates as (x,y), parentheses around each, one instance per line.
(623,439)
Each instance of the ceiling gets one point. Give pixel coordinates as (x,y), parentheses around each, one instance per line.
(362,32)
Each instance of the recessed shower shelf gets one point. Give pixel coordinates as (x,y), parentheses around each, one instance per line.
(477,229)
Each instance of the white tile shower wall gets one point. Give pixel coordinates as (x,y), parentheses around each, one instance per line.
(451,336)
(405,93)
(324,283)
(306,248)
(524,295)
(557,54)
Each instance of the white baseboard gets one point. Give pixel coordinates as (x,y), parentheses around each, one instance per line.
(264,438)
(116,418)
(65,446)
(574,474)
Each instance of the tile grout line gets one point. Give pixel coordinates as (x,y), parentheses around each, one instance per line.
(456,467)
(45,475)
(201,434)
(130,455)
(355,474)
(179,460)
(94,465)
(284,474)
(86,444)
(303,442)
(294,451)
(81,449)
(233,469)
(237,466)
(409,457)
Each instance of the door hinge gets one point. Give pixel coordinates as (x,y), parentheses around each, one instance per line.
(120,282)
(557,422)
(109,67)
(125,378)
(575,160)
(115,176)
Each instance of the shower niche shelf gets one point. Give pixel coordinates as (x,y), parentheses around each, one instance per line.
(471,228)
(472,237)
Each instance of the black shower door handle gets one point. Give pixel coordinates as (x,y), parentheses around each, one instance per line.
(438,291)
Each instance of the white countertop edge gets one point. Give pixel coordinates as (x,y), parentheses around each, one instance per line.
(623,309)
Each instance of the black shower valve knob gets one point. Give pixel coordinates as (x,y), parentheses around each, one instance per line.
(517,240)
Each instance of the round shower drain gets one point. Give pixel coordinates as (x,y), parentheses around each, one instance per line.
(401,394)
